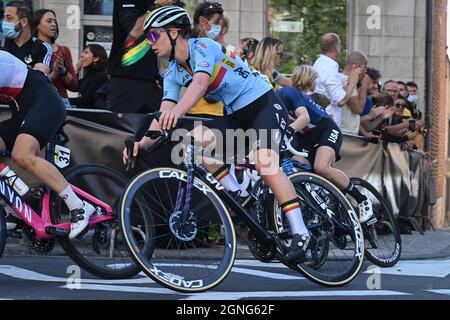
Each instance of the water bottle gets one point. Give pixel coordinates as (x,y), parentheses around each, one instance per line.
(13,180)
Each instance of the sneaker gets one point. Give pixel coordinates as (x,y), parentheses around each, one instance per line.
(299,247)
(365,211)
(80,219)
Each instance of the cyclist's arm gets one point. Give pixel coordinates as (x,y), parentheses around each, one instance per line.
(303,119)
(195,91)
(147,142)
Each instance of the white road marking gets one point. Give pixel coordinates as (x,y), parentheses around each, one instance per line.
(259,264)
(25,274)
(112,288)
(264,274)
(443,291)
(243,295)
(430,268)
(293,294)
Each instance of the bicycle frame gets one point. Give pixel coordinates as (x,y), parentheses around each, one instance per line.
(41,224)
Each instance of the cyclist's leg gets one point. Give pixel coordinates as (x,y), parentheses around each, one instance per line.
(269,117)
(45,114)
(212,138)
(9,130)
(323,166)
(330,144)
(26,155)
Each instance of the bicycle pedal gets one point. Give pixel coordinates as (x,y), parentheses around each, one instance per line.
(372,222)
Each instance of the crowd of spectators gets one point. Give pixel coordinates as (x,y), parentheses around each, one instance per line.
(131,79)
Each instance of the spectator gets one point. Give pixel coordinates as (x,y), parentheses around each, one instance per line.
(248,49)
(372,90)
(356,63)
(225,26)
(382,110)
(397,125)
(402,89)
(413,95)
(62,74)
(16,26)
(134,85)
(208,18)
(269,55)
(93,61)
(329,82)
(386,101)
(207,11)
(391,88)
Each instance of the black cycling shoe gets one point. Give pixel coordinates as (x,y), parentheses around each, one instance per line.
(299,247)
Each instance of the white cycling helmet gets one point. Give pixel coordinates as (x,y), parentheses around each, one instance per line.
(167,16)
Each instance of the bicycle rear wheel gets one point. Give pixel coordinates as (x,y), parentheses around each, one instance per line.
(336,254)
(3,231)
(190,255)
(100,251)
(382,235)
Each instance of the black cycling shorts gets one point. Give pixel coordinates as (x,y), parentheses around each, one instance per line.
(260,125)
(38,111)
(326,134)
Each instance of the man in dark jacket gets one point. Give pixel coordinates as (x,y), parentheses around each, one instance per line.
(133,66)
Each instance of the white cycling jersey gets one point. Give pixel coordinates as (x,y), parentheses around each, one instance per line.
(13,74)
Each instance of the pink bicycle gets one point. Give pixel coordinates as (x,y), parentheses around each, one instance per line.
(100,249)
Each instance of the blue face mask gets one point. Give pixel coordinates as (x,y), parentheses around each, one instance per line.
(215,31)
(412,99)
(9,30)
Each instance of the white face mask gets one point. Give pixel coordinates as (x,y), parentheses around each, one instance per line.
(214,32)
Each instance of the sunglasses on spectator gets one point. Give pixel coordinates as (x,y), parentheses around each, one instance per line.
(400,105)
(280,54)
(155,35)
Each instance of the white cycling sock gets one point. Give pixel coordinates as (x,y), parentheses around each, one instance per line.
(71,199)
(229,182)
(294,215)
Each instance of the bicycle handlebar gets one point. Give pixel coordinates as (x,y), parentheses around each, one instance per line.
(292,150)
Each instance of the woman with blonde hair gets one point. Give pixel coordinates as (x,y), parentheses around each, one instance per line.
(268,56)
(304,78)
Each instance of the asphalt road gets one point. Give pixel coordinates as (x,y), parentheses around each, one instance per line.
(51,278)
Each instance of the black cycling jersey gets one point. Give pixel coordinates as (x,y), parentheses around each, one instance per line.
(38,111)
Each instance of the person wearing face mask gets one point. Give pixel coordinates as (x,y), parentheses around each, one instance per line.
(93,61)
(16,28)
(208,18)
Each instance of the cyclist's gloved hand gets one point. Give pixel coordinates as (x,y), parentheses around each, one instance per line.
(289,132)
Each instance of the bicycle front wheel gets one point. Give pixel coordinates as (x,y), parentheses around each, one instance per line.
(101,250)
(382,235)
(337,251)
(195,247)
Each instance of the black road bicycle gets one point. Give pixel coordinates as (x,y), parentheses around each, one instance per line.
(192,235)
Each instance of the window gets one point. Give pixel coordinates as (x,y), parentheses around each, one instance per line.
(300,23)
(98,7)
